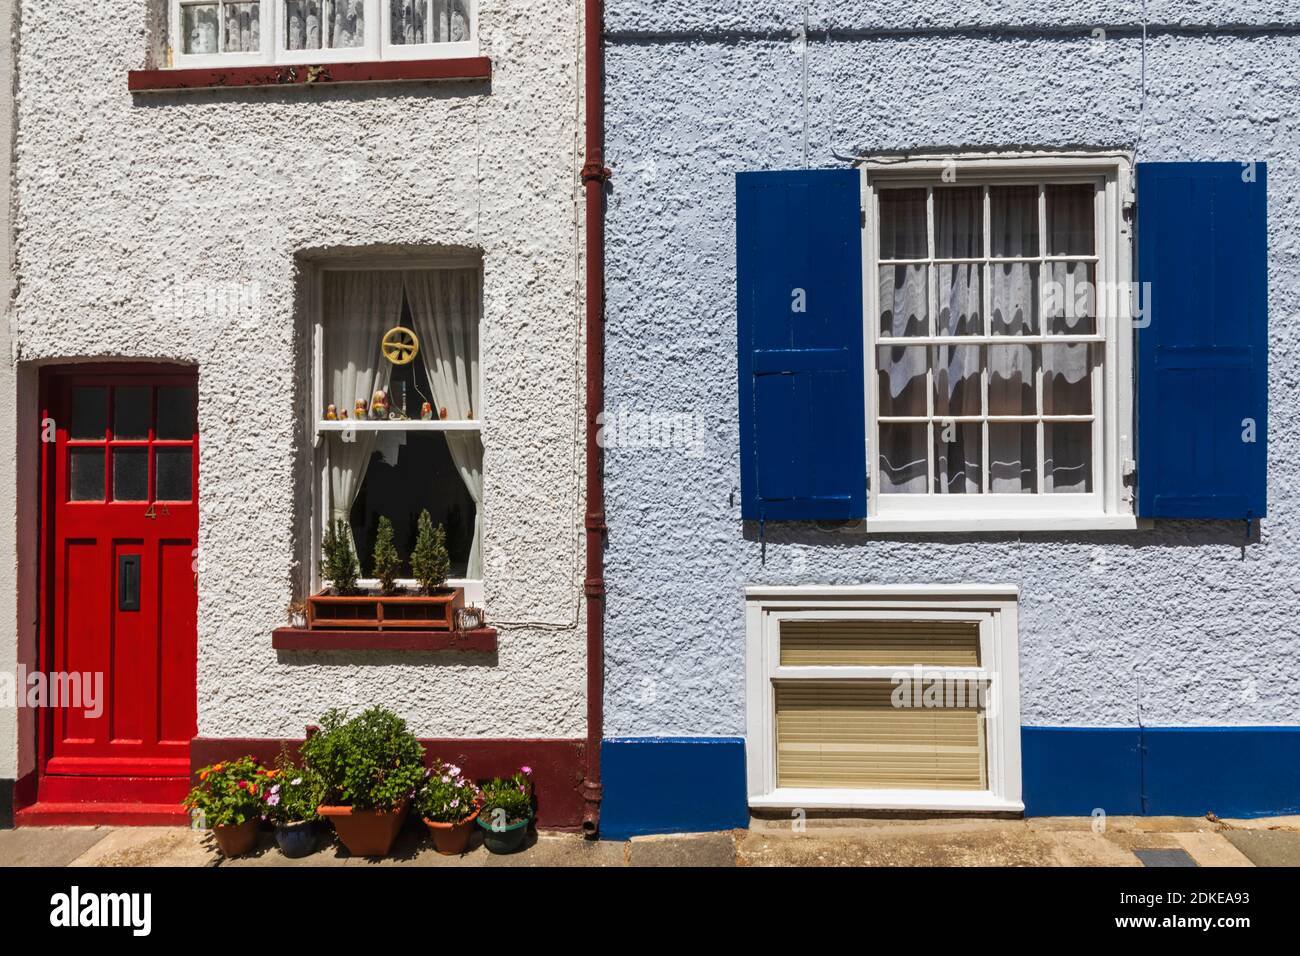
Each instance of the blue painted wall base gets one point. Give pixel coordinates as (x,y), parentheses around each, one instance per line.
(1161,771)
(672,785)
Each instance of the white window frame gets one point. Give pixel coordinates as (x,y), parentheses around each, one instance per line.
(377,46)
(992,607)
(1110,505)
(318,428)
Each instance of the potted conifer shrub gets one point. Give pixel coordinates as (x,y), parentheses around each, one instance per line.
(228,799)
(369,767)
(507,809)
(432,606)
(448,805)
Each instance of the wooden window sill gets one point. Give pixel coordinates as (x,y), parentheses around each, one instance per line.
(482,640)
(305,74)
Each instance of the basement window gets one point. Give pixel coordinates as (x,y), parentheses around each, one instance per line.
(885,698)
(227,33)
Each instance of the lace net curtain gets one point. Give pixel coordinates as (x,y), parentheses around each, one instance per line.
(1016,299)
(358,308)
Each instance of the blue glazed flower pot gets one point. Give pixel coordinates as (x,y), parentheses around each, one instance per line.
(298,839)
(505,840)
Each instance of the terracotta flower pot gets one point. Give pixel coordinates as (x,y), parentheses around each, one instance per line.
(451,839)
(366,832)
(237,839)
(507,839)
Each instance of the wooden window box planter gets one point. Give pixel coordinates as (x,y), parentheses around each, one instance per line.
(482,640)
(380,612)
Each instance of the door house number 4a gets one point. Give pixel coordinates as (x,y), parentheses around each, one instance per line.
(152,512)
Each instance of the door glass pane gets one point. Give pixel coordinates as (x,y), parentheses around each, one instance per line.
(1071,220)
(131,412)
(176,413)
(903,464)
(1013,214)
(1067,457)
(903,224)
(86,474)
(89,413)
(130,474)
(175,471)
(959,223)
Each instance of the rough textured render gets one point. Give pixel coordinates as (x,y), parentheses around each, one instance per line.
(1181,620)
(8,398)
(135,210)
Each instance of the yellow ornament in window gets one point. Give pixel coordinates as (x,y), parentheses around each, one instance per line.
(400,346)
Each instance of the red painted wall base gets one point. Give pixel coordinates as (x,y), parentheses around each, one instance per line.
(556,765)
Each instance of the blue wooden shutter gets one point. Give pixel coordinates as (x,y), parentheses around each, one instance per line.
(1202,362)
(799,305)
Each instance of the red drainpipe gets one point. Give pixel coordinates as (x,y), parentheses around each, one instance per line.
(594,177)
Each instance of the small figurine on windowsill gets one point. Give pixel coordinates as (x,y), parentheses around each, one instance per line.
(331,413)
(343,415)
(360,411)
(442,413)
(379,405)
(426,412)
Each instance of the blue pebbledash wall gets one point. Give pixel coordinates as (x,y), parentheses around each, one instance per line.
(1177,623)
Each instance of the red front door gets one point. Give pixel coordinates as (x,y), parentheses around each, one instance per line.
(122,507)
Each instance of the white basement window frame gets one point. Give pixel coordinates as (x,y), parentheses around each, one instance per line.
(992,607)
(319,429)
(1109,503)
(391,32)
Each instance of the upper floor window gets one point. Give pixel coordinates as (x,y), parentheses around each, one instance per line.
(245,33)
(998,380)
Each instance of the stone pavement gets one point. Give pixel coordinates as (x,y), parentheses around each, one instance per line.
(1058,841)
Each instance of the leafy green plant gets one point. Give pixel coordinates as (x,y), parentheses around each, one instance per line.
(508,800)
(430,562)
(386,560)
(291,794)
(370,762)
(228,793)
(448,796)
(340,562)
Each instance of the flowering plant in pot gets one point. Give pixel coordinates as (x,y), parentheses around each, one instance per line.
(228,799)
(507,809)
(448,803)
(290,797)
(368,767)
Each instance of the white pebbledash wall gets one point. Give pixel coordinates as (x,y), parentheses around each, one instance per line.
(8,403)
(133,209)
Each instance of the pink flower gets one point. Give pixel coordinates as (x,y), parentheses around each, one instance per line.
(527,771)
(453,770)
(455,803)
(446,779)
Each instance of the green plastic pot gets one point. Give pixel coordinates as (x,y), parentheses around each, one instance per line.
(506,839)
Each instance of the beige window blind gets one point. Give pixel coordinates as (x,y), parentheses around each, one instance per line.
(849,735)
(879,643)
